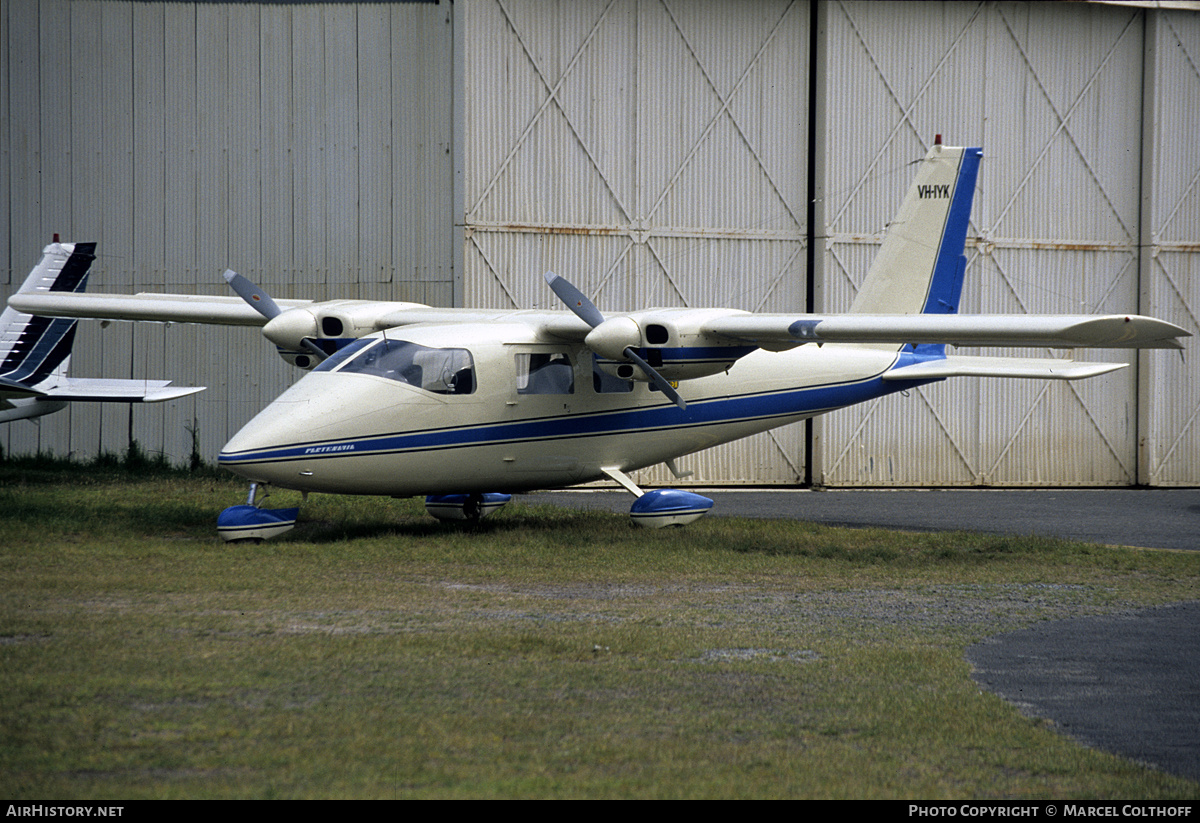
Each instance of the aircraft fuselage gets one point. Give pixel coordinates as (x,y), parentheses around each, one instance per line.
(528,415)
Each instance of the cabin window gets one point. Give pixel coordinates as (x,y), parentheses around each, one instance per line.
(605,383)
(545,373)
(441,371)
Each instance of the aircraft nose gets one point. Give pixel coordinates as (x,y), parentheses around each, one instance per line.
(307,420)
(310,436)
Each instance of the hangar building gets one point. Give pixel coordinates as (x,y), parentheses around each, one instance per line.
(741,153)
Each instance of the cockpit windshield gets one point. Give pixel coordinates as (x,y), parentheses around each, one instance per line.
(441,371)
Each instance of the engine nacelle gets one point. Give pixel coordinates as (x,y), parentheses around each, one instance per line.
(670,340)
(330,325)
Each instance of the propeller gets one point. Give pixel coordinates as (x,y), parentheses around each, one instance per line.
(258,299)
(262,303)
(608,337)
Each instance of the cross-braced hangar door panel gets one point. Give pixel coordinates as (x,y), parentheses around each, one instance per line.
(1171,240)
(653,153)
(1054,226)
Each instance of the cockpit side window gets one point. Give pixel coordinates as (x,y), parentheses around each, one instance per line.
(441,371)
(545,373)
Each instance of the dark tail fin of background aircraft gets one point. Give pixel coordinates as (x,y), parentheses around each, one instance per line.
(33,349)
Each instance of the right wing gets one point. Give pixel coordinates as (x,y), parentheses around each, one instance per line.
(163,308)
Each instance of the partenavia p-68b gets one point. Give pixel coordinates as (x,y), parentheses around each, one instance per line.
(466,406)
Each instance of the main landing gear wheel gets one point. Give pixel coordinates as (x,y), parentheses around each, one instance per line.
(473,507)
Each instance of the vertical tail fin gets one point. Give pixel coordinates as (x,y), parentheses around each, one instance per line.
(919,268)
(35,348)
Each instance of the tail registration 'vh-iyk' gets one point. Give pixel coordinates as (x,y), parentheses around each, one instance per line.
(466,406)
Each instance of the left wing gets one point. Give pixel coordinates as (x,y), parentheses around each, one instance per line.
(1117,331)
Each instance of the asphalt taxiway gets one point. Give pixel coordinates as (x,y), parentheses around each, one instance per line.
(1149,518)
(1128,684)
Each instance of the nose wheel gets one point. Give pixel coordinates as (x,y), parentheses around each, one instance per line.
(249,522)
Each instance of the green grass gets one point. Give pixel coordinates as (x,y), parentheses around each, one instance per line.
(374,652)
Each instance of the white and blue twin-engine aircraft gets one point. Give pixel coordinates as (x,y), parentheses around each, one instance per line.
(466,406)
(35,352)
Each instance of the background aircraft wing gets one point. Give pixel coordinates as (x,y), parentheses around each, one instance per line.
(116,390)
(773,331)
(12,390)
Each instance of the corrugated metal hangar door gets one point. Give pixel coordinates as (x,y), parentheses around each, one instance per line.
(1053,92)
(654,154)
(1170,412)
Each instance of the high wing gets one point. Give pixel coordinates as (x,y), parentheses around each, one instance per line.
(908,302)
(686,343)
(768,331)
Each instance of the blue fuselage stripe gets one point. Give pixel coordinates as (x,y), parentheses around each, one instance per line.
(701,413)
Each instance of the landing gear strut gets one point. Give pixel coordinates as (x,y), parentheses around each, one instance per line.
(662,507)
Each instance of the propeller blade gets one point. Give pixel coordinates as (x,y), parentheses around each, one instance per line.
(258,299)
(313,349)
(657,379)
(575,300)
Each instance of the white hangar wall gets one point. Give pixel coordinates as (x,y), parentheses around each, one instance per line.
(306,146)
(656,152)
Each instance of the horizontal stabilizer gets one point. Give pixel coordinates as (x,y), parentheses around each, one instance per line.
(1053,331)
(1034,368)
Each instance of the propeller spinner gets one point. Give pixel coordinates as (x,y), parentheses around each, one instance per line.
(613,338)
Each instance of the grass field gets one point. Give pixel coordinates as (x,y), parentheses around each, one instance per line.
(375,653)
